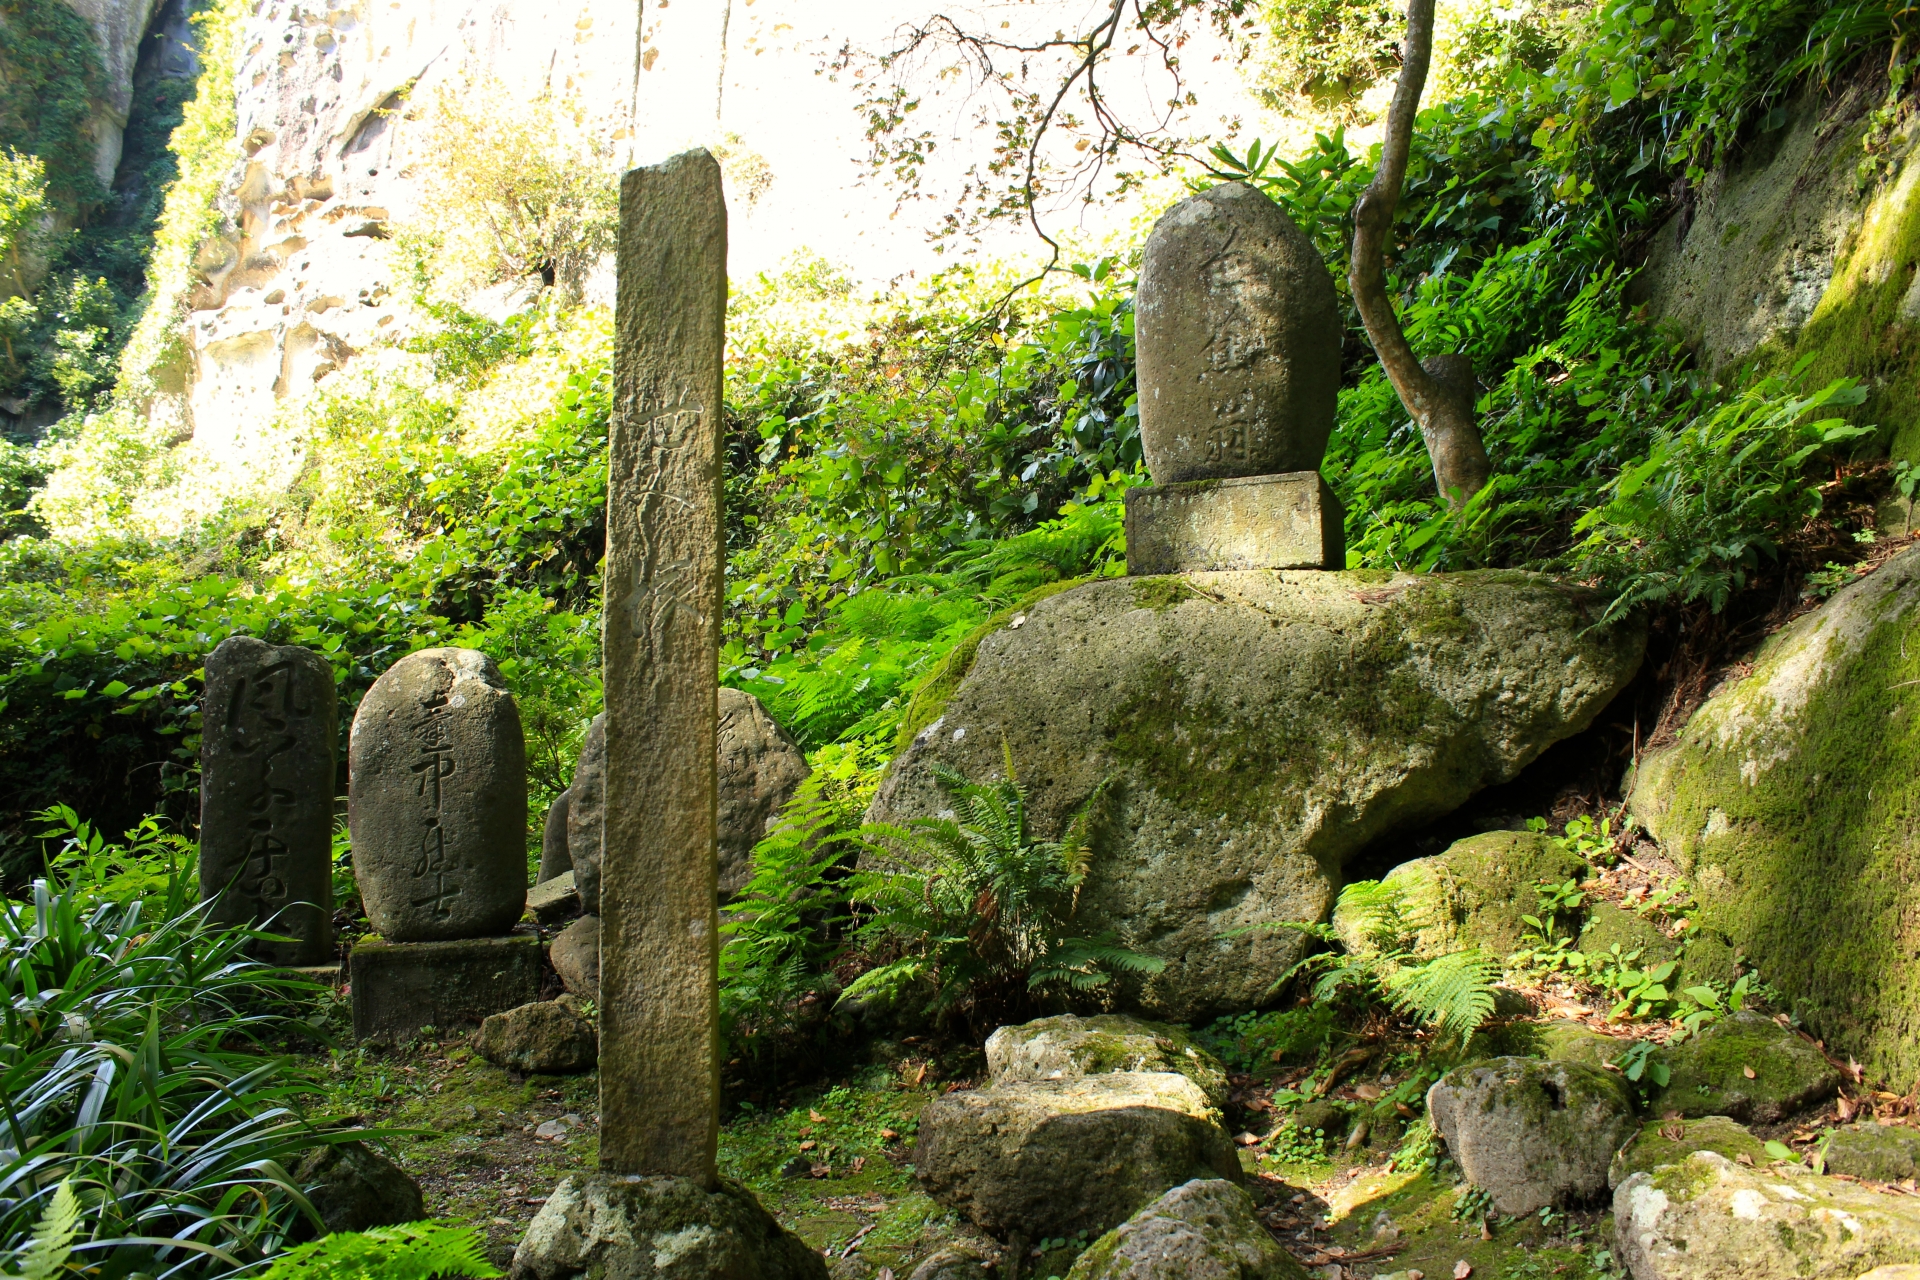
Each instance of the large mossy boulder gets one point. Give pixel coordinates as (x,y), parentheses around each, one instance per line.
(1666,1141)
(1259,728)
(1474,894)
(1789,800)
(1876,1152)
(1710,1218)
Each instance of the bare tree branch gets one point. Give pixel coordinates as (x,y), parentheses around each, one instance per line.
(1441,394)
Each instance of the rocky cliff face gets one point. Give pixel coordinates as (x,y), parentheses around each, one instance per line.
(119,26)
(302,278)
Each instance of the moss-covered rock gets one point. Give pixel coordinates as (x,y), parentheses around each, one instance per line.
(1710,1218)
(1474,894)
(1877,1152)
(1067,1048)
(1062,1157)
(1664,1142)
(1789,801)
(1748,1067)
(1567,1041)
(1611,925)
(1259,728)
(610,1225)
(1202,1230)
(1530,1132)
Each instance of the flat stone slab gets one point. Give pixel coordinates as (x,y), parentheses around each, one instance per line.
(1289,521)
(400,987)
(554,901)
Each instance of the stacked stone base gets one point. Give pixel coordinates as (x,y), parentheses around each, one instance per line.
(623,1227)
(400,987)
(1290,521)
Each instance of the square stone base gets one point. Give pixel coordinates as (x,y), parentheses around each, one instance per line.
(400,987)
(1290,521)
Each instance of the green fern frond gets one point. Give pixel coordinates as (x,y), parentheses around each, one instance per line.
(411,1251)
(1452,992)
(47,1251)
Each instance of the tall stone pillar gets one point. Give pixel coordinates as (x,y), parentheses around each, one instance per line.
(659,924)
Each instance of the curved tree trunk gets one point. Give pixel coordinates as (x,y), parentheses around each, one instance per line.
(1441,393)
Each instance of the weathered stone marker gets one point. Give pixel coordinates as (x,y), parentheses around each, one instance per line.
(658,919)
(266,794)
(659,923)
(437,799)
(1238,338)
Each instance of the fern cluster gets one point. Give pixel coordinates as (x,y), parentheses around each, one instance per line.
(410,1251)
(979,915)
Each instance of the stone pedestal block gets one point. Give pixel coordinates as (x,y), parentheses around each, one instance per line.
(400,987)
(1290,521)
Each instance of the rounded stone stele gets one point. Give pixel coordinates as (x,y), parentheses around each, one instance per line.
(438,799)
(1237,337)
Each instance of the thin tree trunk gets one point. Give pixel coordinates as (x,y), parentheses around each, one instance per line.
(1441,393)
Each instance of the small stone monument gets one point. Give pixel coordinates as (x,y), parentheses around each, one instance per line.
(1237,334)
(266,794)
(437,804)
(658,1205)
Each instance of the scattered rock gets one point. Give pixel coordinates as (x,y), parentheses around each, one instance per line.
(956,1262)
(1566,1041)
(1901,1271)
(1664,1142)
(552,901)
(1067,1047)
(549,1036)
(1785,803)
(1323,1115)
(587,814)
(1203,1230)
(1260,727)
(1879,1153)
(1062,1157)
(575,956)
(1239,341)
(555,860)
(1530,1132)
(353,1187)
(1474,894)
(625,1227)
(759,768)
(1710,1072)
(1709,1218)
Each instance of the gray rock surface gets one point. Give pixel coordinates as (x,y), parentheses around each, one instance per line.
(1710,1072)
(553,901)
(956,1262)
(1784,803)
(587,812)
(552,1037)
(1532,1132)
(438,799)
(628,1227)
(1474,894)
(1068,1047)
(575,956)
(1876,1152)
(1708,1218)
(1260,728)
(1202,1230)
(759,768)
(353,1187)
(1238,332)
(1061,1157)
(555,860)
(266,794)
(400,987)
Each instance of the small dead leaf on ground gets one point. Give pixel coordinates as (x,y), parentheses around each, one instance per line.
(808,1145)
(1462,1269)
(816,1117)
(888,1135)
(1749,1073)
(1745,1159)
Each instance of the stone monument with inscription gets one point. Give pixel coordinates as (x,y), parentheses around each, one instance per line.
(437,807)
(1237,334)
(270,718)
(658,1206)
